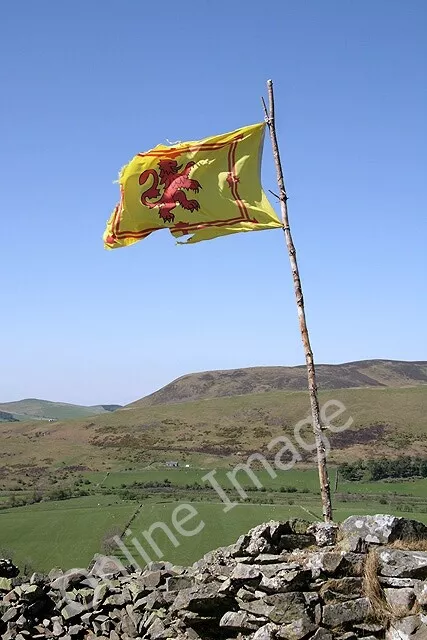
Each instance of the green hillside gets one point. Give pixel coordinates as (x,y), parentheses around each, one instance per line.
(35,409)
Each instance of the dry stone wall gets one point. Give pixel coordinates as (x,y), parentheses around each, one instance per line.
(282,581)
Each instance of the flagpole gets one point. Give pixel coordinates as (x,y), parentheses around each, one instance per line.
(311,372)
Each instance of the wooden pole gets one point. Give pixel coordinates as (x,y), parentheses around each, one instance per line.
(311,372)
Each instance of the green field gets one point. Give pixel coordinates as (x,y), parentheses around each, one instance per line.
(301,479)
(68,533)
(65,534)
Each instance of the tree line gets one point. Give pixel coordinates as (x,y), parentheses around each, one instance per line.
(383,468)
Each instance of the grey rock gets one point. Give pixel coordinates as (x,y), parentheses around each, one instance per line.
(152,579)
(335,615)
(5,584)
(10,614)
(271,558)
(285,581)
(420,589)
(409,628)
(298,629)
(175,583)
(54,573)
(383,529)
(286,607)
(237,620)
(403,564)
(293,541)
(204,600)
(72,610)
(255,607)
(322,634)
(397,582)
(39,578)
(325,533)
(246,595)
(266,632)
(400,601)
(369,627)
(245,573)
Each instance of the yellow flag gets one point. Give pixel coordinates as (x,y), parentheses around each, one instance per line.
(202,189)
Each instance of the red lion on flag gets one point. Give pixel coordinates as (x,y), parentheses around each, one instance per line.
(173,181)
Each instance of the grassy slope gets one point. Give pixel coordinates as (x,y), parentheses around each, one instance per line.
(386,421)
(32,408)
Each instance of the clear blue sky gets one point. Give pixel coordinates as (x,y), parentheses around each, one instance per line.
(86,85)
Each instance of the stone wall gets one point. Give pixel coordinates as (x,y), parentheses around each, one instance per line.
(283,580)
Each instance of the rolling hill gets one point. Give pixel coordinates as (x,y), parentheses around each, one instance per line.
(215,384)
(215,418)
(34,409)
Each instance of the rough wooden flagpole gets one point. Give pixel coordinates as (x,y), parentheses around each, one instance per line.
(311,372)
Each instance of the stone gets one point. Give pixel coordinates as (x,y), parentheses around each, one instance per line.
(154,600)
(5,584)
(383,529)
(8,569)
(420,590)
(397,582)
(237,620)
(176,583)
(340,589)
(204,600)
(99,594)
(266,632)
(325,533)
(298,629)
(285,581)
(369,627)
(322,634)
(157,630)
(325,562)
(39,578)
(72,610)
(152,579)
(67,580)
(245,573)
(286,607)
(408,628)
(271,558)
(246,595)
(31,592)
(403,564)
(335,615)
(293,541)
(10,614)
(255,607)
(400,601)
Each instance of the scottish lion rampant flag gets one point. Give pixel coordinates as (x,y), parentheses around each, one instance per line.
(202,189)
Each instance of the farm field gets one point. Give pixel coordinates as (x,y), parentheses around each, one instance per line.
(64,534)
(69,532)
(301,479)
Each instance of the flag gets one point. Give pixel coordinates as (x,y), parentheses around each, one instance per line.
(201,189)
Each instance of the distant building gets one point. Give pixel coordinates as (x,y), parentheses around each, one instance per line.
(172,463)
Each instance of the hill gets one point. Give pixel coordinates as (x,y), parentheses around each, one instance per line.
(34,409)
(215,384)
(218,431)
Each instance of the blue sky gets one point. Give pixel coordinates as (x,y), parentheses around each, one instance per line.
(86,85)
